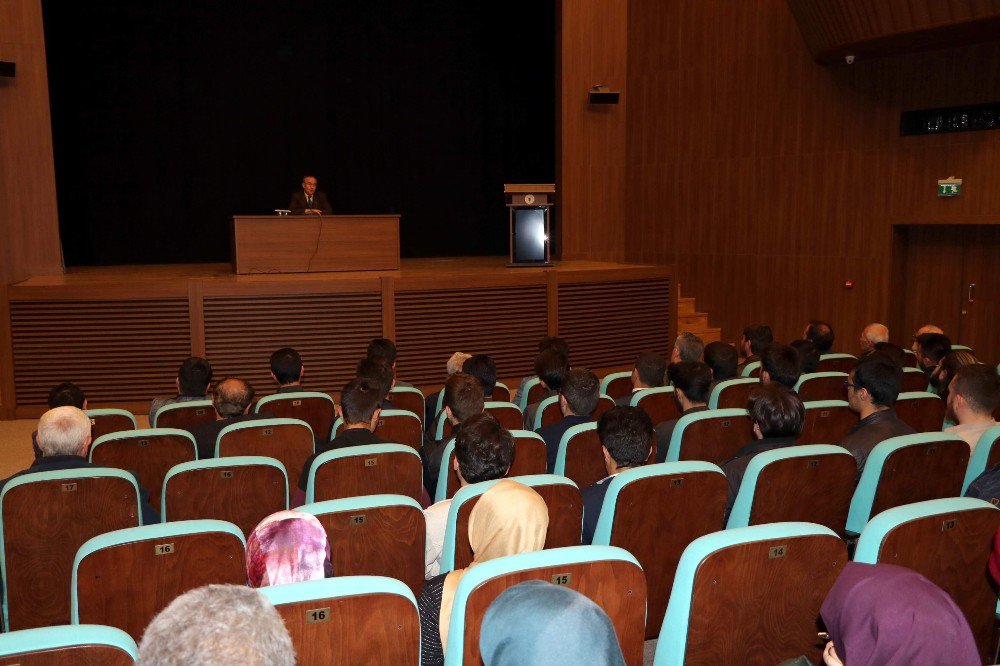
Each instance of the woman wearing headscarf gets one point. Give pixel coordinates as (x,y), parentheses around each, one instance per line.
(565,629)
(884,615)
(508,519)
(287,547)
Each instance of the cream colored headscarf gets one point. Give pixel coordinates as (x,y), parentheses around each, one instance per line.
(508,519)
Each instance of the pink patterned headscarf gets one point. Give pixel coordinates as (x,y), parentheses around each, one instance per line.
(287,547)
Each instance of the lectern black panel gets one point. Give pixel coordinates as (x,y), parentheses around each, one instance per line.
(529,235)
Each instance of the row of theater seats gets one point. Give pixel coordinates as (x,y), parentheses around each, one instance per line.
(747,595)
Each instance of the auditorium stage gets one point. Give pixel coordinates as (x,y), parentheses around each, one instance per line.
(121,331)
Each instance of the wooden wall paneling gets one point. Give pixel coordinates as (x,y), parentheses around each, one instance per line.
(552,302)
(8,399)
(196,318)
(388,307)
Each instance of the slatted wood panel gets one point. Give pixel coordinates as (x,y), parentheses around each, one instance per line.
(504,322)
(610,323)
(330,331)
(116,351)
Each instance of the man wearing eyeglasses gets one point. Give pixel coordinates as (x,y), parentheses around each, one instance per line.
(309,201)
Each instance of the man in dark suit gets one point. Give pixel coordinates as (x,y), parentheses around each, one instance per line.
(309,201)
(231,400)
(578,399)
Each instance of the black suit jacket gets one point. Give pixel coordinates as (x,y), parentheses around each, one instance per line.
(298,203)
(205,434)
(593,500)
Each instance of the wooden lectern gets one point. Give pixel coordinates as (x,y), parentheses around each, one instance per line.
(529,207)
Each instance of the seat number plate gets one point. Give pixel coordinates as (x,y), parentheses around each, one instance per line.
(777,551)
(163,548)
(318,615)
(562,579)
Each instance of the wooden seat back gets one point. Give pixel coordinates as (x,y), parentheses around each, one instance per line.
(316,410)
(827,422)
(185,415)
(735,396)
(530,454)
(921,472)
(535,394)
(365,471)
(411,401)
(551,413)
(500,393)
(715,439)
(923,412)
(148,453)
(507,413)
(68,646)
(660,405)
(107,421)
(605,403)
(584,458)
(400,428)
(836,363)
(618,387)
(914,381)
(289,441)
(822,386)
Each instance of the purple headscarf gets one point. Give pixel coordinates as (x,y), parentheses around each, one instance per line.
(287,547)
(884,614)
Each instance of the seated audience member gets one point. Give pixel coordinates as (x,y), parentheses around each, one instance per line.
(194,378)
(551,367)
(578,400)
(287,547)
(377,371)
(871,335)
(779,363)
(66,394)
(947,368)
(222,625)
(808,355)
(570,629)
(723,359)
(452,367)
(926,328)
(231,400)
(649,371)
(777,414)
(509,518)
(821,334)
(385,349)
(360,408)
(886,614)
(687,347)
(974,394)
(484,451)
(626,434)
(931,348)
(755,338)
(483,368)
(691,381)
(545,343)
(64,439)
(872,389)
(286,370)
(463,398)
(895,353)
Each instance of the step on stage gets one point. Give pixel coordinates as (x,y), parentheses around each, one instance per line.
(121,332)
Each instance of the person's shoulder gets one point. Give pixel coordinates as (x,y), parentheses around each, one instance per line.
(438,509)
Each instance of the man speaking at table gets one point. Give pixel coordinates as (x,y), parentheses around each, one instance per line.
(309,201)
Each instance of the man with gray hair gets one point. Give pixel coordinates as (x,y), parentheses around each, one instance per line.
(687,347)
(222,625)
(64,440)
(871,335)
(231,400)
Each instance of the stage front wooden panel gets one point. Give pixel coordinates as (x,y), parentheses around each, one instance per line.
(122,332)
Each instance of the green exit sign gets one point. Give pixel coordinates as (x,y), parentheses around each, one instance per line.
(949,187)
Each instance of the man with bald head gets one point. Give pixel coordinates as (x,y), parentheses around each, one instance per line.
(309,201)
(231,400)
(871,335)
(926,328)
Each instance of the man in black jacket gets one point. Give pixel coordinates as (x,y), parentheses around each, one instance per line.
(309,201)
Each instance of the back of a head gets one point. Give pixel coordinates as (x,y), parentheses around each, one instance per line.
(222,625)
(933,346)
(359,400)
(286,365)
(821,333)
(777,410)
(894,353)
(287,547)
(781,362)
(582,391)
(483,368)
(882,378)
(952,362)
(979,385)
(455,362)
(693,378)
(66,394)
(558,344)
(194,376)
(232,397)
(551,367)
(537,622)
(63,431)
(651,369)
(483,448)
(463,394)
(875,333)
(690,347)
(759,336)
(509,518)
(808,355)
(627,434)
(377,371)
(383,348)
(723,359)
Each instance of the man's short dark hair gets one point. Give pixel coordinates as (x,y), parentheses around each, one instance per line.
(895,353)
(483,448)
(194,376)
(777,410)
(692,377)
(66,394)
(782,364)
(759,336)
(359,400)
(933,346)
(582,391)
(232,397)
(881,377)
(483,368)
(651,368)
(464,395)
(979,385)
(551,367)
(723,359)
(286,365)
(382,348)
(821,333)
(627,434)
(376,370)
(558,344)
(808,354)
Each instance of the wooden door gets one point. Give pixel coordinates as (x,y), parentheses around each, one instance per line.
(981,294)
